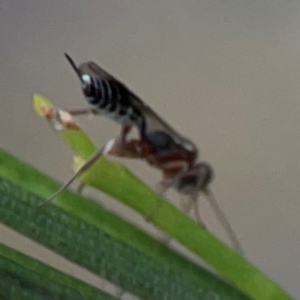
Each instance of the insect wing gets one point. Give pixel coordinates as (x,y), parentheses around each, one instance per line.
(154,122)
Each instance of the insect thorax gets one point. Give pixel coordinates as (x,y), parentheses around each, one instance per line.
(160,141)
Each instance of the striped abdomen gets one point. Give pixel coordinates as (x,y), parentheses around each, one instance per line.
(112,99)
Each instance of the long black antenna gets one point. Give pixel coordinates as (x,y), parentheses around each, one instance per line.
(75,68)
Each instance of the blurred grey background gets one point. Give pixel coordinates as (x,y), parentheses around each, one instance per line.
(224,73)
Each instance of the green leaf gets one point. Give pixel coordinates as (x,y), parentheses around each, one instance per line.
(87,234)
(22,277)
(134,193)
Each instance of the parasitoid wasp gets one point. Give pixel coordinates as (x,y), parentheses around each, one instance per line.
(158,143)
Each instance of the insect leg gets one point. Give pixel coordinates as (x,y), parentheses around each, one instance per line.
(79,172)
(161,189)
(124,131)
(193,196)
(105,149)
(195,205)
(185,204)
(224,221)
(84,111)
(167,183)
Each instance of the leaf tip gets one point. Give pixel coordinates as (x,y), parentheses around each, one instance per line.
(42,106)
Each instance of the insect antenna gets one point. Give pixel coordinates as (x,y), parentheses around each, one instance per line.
(75,68)
(79,172)
(221,217)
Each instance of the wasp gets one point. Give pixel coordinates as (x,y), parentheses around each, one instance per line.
(157,143)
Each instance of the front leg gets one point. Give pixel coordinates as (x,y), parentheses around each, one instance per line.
(84,111)
(88,164)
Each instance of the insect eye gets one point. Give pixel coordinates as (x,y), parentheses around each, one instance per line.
(87,85)
(86,79)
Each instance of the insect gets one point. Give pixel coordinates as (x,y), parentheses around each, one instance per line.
(158,143)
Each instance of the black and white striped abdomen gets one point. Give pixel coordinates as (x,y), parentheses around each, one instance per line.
(112,99)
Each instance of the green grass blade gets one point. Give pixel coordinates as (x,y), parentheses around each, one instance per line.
(22,277)
(91,236)
(134,193)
